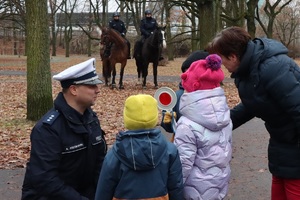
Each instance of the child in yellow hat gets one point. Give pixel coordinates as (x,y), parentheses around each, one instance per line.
(142,164)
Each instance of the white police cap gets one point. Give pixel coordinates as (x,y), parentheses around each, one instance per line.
(81,74)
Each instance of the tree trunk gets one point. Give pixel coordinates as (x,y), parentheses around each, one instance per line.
(39,88)
(194,34)
(67,43)
(250,17)
(170,46)
(207,28)
(53,41)
(104,13)
(217,15)
(89,47)
(15,38)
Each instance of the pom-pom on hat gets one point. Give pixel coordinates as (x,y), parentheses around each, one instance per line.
(203,74)
(140,112)
(81,74)
(194,56)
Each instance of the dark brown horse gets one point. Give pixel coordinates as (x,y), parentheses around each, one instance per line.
(118,53)
(149,53)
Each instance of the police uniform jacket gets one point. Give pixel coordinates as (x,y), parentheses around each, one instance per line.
(118,25)
(268,82)
(67,150)
(142,164)
(148,25)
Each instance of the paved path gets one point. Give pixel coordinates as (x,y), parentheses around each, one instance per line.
(250,178)
(126,76)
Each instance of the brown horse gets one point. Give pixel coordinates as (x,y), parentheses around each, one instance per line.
(118,53)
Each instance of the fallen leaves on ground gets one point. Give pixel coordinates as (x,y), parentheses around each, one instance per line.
(15,129)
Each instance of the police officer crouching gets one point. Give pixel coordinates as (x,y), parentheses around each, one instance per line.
(67,144)
(119,26)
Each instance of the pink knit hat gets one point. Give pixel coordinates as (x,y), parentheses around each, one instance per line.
(203,74)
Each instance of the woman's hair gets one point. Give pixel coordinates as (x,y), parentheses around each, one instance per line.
(232,40)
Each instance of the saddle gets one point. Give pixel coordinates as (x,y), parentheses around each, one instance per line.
(107,50)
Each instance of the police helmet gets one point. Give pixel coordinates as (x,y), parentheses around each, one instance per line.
(116,14)
(148,12)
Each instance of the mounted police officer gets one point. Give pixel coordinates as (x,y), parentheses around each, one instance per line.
(67,144)
(147,27)
(119,26)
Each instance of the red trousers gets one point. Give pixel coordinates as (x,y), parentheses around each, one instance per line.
(285,189)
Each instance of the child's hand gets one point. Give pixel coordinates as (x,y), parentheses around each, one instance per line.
(168,117)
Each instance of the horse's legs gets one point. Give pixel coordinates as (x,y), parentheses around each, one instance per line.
(121,75)
(121,78)
(106,80)
(144,82)
(138,69)
(113,82)
(140,72)
(145,73)
(105,71)
(139,75)
(155,74)
(138,59)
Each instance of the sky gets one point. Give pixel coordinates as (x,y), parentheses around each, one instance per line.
(112,5)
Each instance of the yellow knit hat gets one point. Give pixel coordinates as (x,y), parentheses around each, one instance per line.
(140,112)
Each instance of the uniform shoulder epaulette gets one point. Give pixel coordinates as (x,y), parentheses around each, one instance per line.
(51,117)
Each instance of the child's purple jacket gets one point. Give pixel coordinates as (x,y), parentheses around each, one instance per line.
(203,138)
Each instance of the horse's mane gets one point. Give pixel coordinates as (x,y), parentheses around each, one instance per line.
(154,38)
(113,34)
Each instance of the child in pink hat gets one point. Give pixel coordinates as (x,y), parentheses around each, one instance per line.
(204,131)
(203,74)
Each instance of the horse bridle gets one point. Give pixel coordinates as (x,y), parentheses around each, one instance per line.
(105,39)
(160,40)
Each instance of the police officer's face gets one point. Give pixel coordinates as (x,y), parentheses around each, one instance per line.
(87,94)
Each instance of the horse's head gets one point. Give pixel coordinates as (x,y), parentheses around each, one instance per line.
(163,36)
(158,37)
(110,35)
(105,36)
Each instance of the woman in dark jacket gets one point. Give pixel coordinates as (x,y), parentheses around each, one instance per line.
(268,84)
